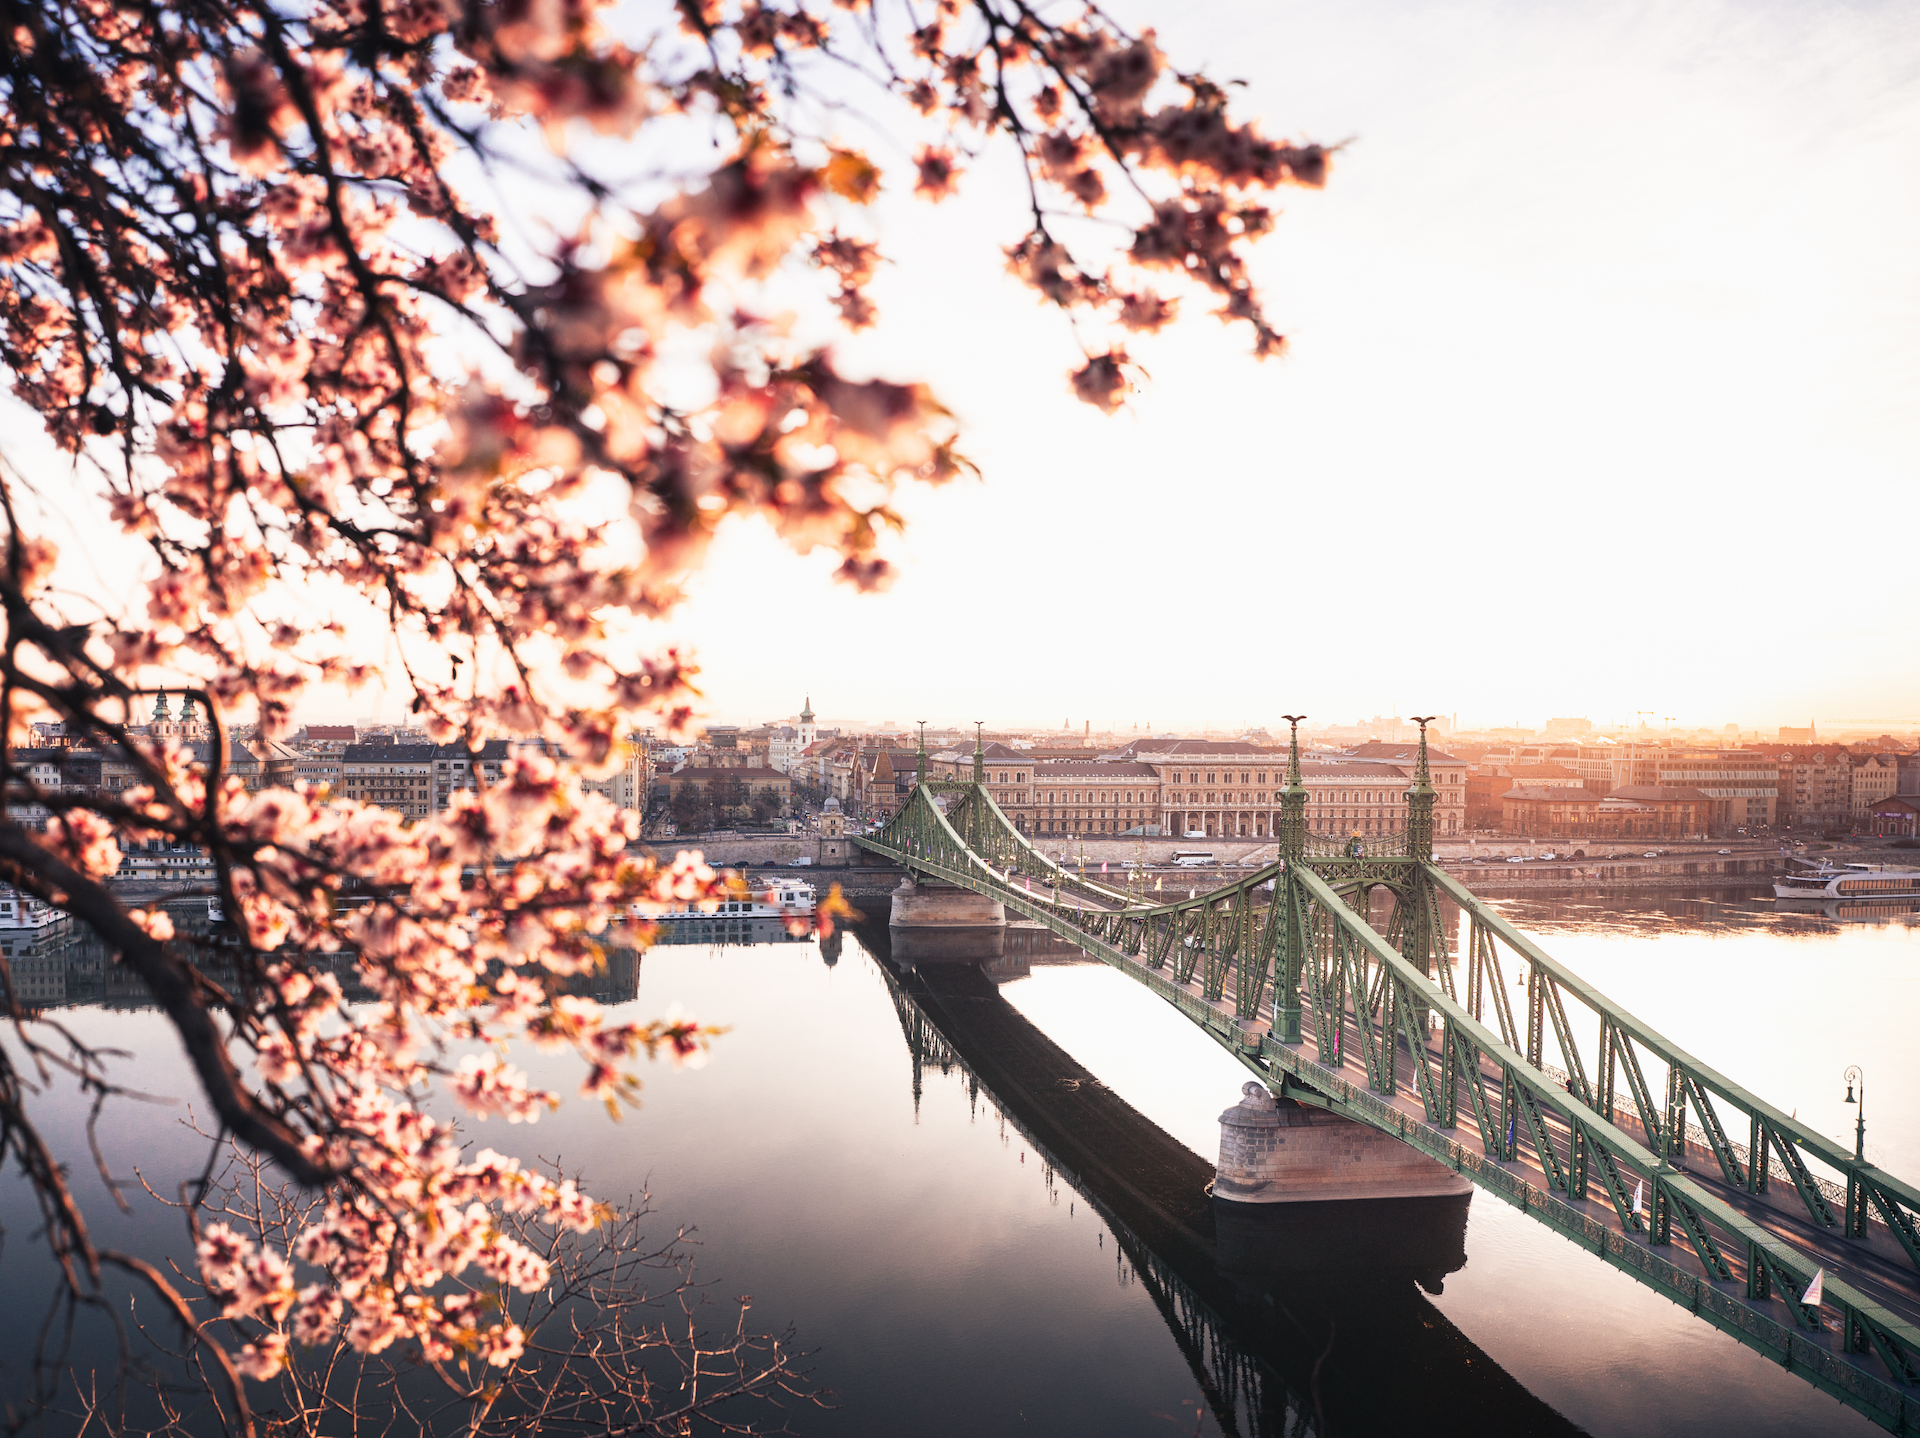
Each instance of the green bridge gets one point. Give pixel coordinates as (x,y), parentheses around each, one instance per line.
(1626,1148)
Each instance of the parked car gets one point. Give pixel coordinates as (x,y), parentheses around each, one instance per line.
(1723,851)
(1651,854)
(1516,859)
(1545,857)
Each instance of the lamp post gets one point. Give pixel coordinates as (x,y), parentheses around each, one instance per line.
(1856,1219)
(1853,1076)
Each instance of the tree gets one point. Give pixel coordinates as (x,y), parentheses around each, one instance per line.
(692,808)
(256,281)
(729,795)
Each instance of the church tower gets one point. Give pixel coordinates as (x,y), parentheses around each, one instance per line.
(807,732)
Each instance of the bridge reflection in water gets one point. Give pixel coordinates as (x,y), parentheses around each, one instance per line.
(1281,1311)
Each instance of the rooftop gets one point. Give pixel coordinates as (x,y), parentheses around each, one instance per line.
(388,754)
(1195,748)
(1401,753)
(1056,771)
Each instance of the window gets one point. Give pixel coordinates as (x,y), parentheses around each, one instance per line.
(1209,778)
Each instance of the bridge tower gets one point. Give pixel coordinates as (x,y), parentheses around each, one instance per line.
(1420,801)
(1417,934)
(937,920)
(1292,943)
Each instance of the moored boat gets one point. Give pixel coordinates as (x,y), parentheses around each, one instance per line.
(1850,881)
(780,899)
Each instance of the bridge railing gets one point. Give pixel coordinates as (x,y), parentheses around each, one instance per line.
(1870,1191)
(994,838)
(1357,846)
(1226,935)
(1390,999)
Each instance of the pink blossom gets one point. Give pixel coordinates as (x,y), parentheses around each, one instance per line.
(222,1254)
(287,423)
(85,839)
(156,924)
(317,1316)
(264,1357)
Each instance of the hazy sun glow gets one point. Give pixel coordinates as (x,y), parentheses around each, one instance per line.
(1602,398)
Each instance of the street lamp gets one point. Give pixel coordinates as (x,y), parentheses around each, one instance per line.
(1854,1076)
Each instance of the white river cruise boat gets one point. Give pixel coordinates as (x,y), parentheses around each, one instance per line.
(1854,881)
(778,899)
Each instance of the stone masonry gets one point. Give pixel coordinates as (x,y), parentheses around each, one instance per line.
(1289,1153)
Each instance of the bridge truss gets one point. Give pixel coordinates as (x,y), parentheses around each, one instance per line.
(1283,968)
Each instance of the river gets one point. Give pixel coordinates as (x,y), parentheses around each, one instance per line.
(961,1261)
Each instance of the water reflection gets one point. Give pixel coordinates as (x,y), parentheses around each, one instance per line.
(1714,911)
(64,964)
(727,931)
(922,1263)
(1283,1313)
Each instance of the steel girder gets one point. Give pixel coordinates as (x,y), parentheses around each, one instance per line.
(1367,989)
(1311,941)
(1690,1085)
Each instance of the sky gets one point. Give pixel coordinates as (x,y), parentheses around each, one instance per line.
(1603,396)
(1602,399)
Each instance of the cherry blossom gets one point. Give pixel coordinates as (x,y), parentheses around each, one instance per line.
(307,372)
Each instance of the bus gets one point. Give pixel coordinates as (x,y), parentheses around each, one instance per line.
(1192,858)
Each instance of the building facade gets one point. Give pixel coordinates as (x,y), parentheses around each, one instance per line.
(723,793)
(1897,815)
(1640,811)
(1743,787)
(1815,786)
(1091,797)
(1875,777)
(394,776)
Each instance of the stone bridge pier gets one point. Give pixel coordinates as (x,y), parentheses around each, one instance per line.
(936,922)
(1274,1151)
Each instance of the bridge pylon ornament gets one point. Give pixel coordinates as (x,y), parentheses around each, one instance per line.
(1290,938)
(1420,801)
(1293,804)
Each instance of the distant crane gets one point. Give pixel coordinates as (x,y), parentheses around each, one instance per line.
(1643,715)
